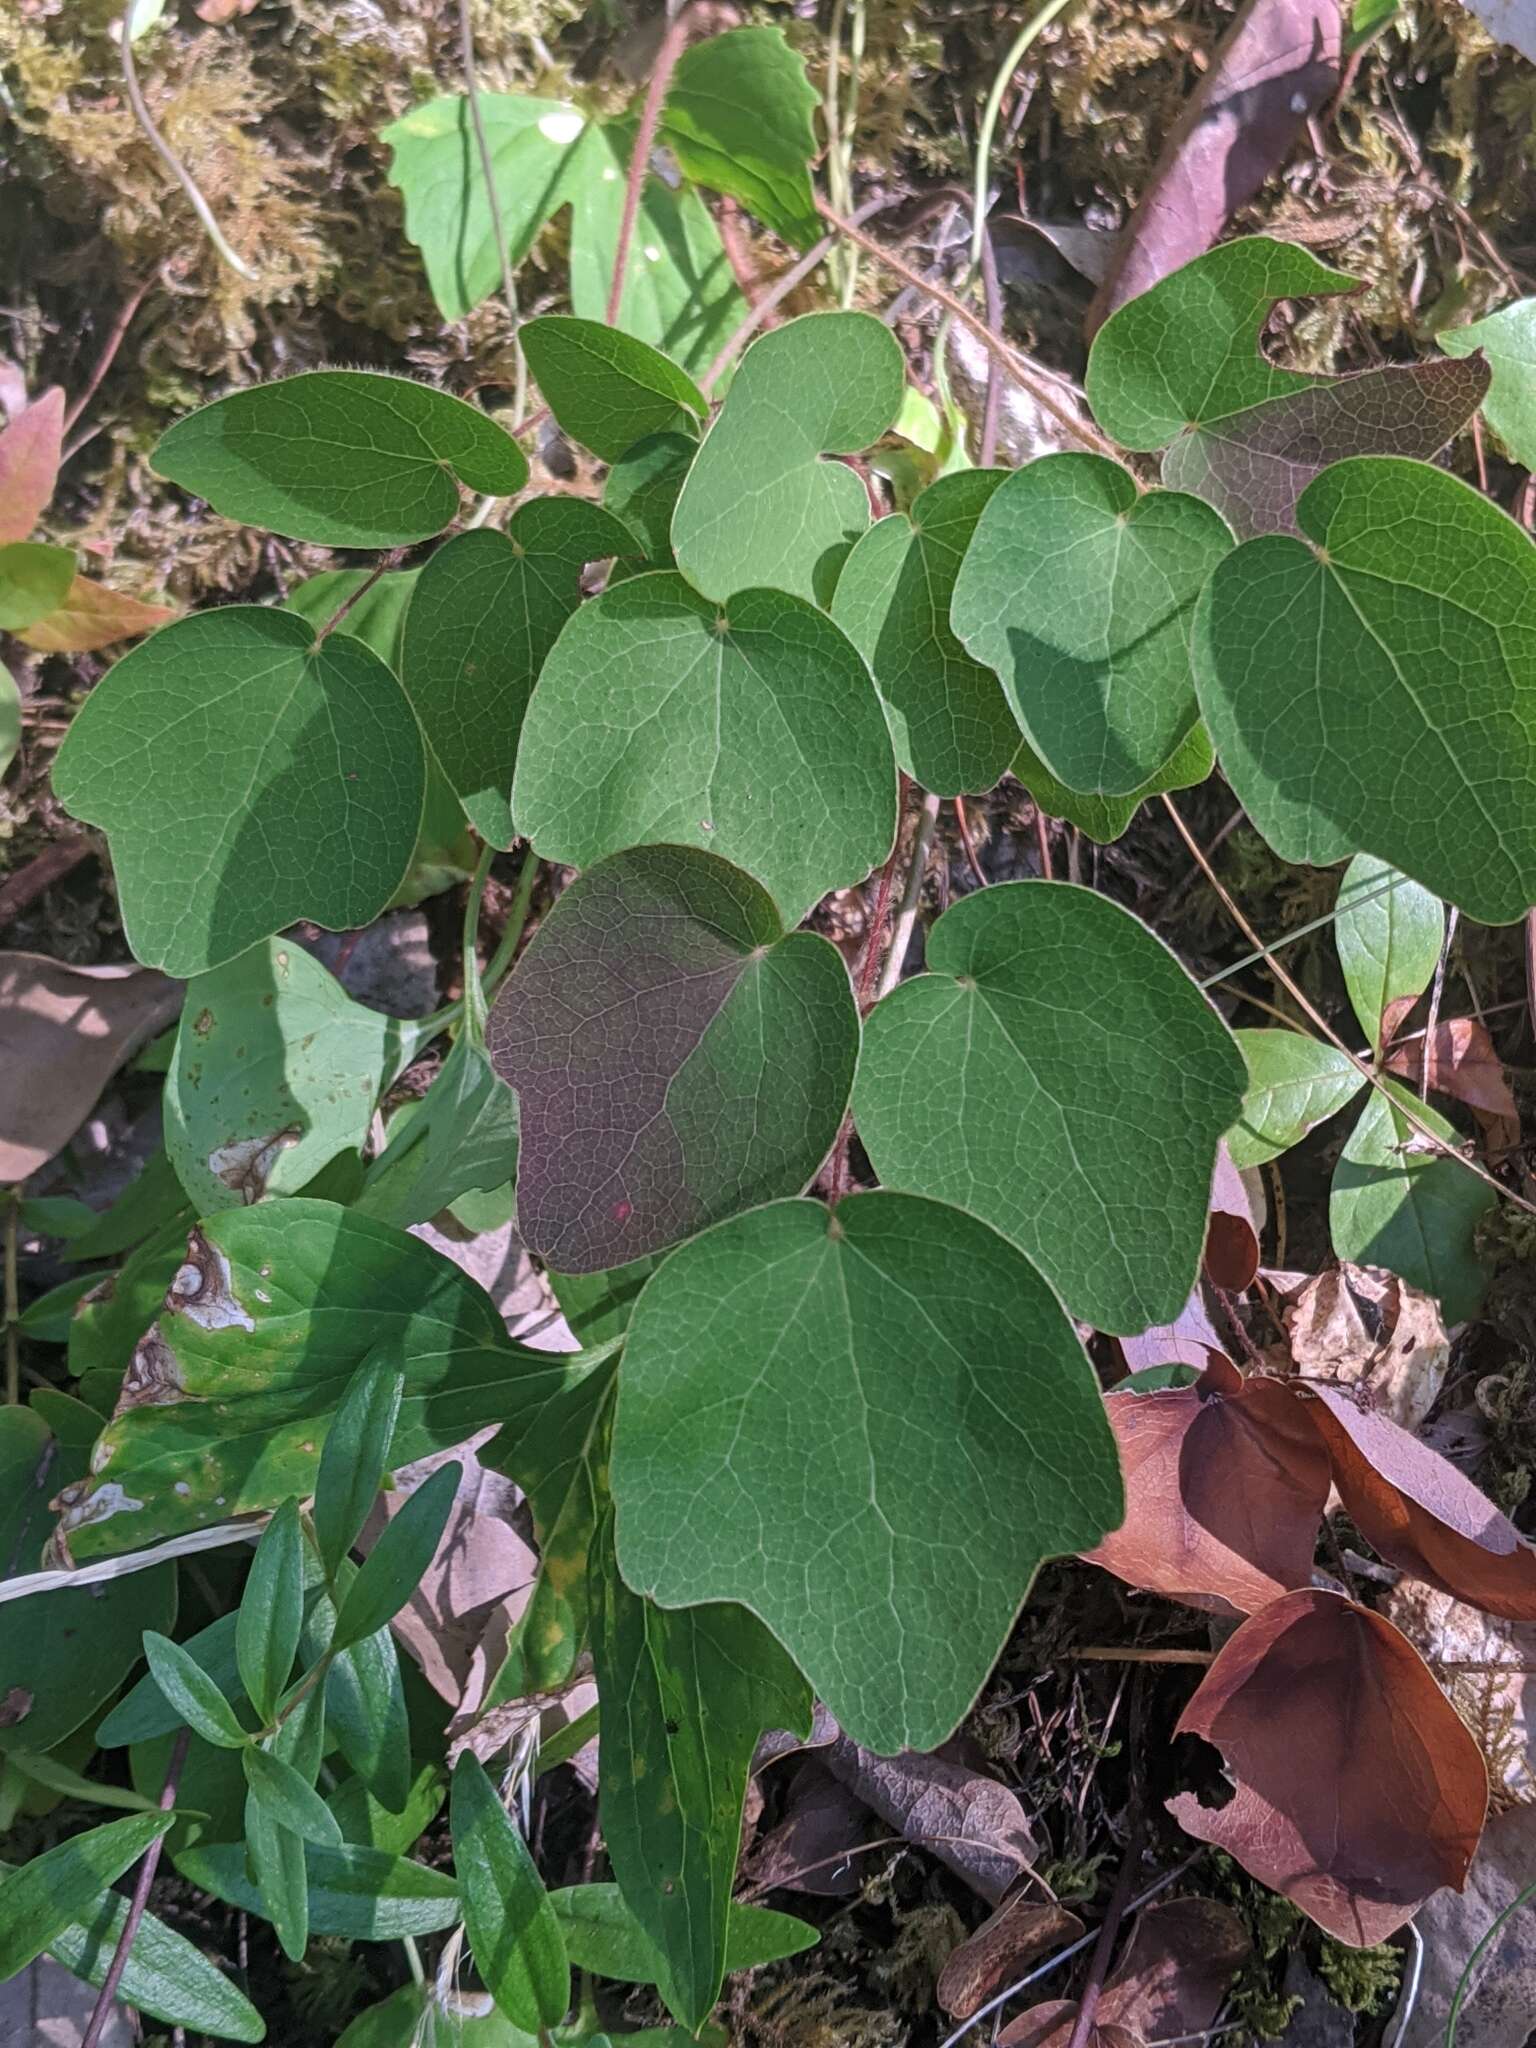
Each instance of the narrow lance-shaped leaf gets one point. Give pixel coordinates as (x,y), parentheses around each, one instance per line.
(246,779)
(686,1695)
(514,1936)
(827,383)
(606,389)
(603,1935)
(460,1139)
(288,1801)
(272,1610)
(193,1693)
(904,1428)
(747,1038)
(46,1896)
(277,1864)
(1389,932)
(355,1455)
(950,721)
(361,1894)
(1373,688)
(349,458)
(1057,1062)
(392,1569)
(486,611)
(271,1314)
(1079,592)
(749,728)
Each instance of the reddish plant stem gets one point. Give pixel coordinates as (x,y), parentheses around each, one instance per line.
(391,560)
(1103,1948)
(864,988)
(101,2011)
(672,46)
(964,825)
(105,360)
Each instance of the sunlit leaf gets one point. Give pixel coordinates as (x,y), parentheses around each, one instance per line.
(1508,339)
(30,451)
(738,120)
(606,389)
(1389,932)
(1294,1083)
(1105,818)
(34,580)
(45,1897)
(514,1935)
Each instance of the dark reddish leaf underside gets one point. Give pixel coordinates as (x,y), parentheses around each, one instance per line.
(1168,1985)
(1421,1514)
(1002,1945)
(1224,1492)
(1359,1792)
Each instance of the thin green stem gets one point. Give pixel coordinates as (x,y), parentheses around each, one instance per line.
(168,156)
(1036,25)
(517,918)
(474,990)
(12,1302)
(1303,931)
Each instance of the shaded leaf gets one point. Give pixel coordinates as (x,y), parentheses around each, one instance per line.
(30,451)
(816,1846)
(349,458)
(361,1894)
(1389,932)
(1507,339)
(487,609)
(738,120)
(1461,1062)
(276,1071)
(642,489)
(271,1611)
(377,614)
(355,1455)
(287,1800)
(902,1381)
(1057,1062)
(516,1940)
(1369,696)
(686,1695)
(270,1316)
(949,719)
(393,1567)
(10,718)
(462,1138)
(1421,1513)
(603,1935)
(1080,593)
(1225,1485)
(1104,818)
(749,1041)
(754,732)
(276,1860)
(64,1032)
(34,580)
(1170,1981)
(47,1896)
(959,1815)
(994,1955)
(89,615)
(1294,1083)
(1391,1802)
(827,383)
(606,389)
(1231,1235)
(1398,1202)
(287,781)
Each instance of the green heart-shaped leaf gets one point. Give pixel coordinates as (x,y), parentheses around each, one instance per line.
(605,389)
(738,118)
(1104,818)
(486,611)
(1079,593)
(276,1070)
(1389,933)
(643,487)
(350,458)
(246,778)
(1294,1083)
(761,507)
(1057,1063)
(1375,691)
(949,719)
(750,728)
(749,1044)
(869,1427)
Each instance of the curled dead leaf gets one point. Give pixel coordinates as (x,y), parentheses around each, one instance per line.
(1421,1514)
(1169,1983)
(1050,2026)
(1358,1792)
(967,1820)
(1225,1485)
(1370,1333)
(1002,1945)
(64,1032)
(1190,1339)
(1461,1062)
(814,1848)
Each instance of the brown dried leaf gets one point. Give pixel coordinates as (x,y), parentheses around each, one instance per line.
(1225,1485)
(1358,1791)
(64,1032)
(1171,1980)
(1421,1514)
(1371,1333)
(1001,1946)
(29,464)
(92,616)
(1190,1339)
(812,1847)
(1463,1064)
(1231,1240)
(968,1821)
(1050,2026)
(1277,64)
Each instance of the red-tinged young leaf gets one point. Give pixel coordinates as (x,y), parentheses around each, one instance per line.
(1423,1515)
(93,616)
(30,449)
(1278,63)
(1231,1241)
(677,1057)
(1225,1487)
(1001,1946)
(1359,1791)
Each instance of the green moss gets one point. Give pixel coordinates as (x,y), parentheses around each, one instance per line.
(1362,1980)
